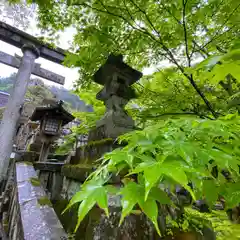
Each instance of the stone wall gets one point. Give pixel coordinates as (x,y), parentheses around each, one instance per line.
(96,225)
(31,156)
(30,214)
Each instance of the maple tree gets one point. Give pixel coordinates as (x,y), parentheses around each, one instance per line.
(145,32)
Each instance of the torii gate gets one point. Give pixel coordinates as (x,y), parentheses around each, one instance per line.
(32,48)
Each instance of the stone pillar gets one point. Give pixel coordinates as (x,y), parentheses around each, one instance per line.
(12,111)
(44,151)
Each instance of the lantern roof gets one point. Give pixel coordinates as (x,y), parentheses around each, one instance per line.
(55,112)
(113,65)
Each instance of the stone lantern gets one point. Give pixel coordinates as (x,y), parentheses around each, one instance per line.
(116,78)
(52,119)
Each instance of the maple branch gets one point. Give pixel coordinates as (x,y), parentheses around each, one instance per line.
(128,12)
(147,17)
(184,2)
(220,3)
(175,114)
(219,29)
(165,48)
(201,48)
(107,12)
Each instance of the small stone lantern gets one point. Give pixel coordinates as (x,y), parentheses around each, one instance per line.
(52,119)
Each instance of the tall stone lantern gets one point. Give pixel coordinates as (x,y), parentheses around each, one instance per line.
(116,78)
(52,119)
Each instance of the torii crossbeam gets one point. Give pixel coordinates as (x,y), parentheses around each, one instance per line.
(19,38)
(37,70)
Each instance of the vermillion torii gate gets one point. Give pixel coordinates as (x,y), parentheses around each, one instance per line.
(32,48)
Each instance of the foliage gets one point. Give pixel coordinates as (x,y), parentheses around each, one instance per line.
(88,119)
(169,153)
(19,15)
(167,93)
(7,83)
(146,32)
(89,97)
(69,97)
(36,94)
(218,220)
(1,112)
(198,40)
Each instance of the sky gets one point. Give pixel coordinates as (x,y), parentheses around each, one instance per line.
(65,40)
(70,74)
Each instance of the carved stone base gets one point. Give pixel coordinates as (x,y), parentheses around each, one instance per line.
(112,126)
(108,131)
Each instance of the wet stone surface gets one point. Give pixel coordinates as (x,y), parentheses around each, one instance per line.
(39,221)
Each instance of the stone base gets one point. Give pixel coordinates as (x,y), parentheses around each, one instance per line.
(96,226)
(113,124)
(35,147)
(78,172)
(134,227)
(93,151)
(108,131)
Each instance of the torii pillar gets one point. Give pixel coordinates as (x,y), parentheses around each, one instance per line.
(13,108)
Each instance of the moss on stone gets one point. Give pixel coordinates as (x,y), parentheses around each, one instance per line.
(100,142)
(1,112)
(69,220)
(35,182)
(97,143)
(5,225)
(77,171)
(43,201)
(28,163)
(28,147)
(92,151)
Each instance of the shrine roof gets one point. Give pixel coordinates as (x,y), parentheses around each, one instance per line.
(57,112)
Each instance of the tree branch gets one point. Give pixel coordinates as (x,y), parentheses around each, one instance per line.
(184,2)
(201,48)
(174,114)
(217,35)
(165,48)
(202,96)
(214,12)
(201,51)
(147,17)
(109,13)
(130,15)
(181,23)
